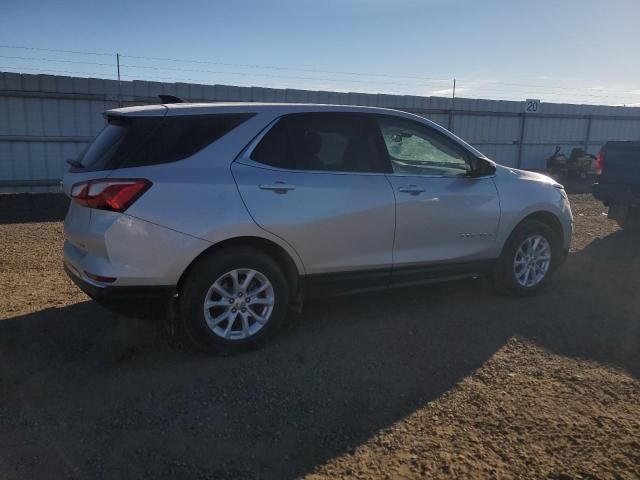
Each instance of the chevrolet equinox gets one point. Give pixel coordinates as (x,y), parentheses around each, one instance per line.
(237,211)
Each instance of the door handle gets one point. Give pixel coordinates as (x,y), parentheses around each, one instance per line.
(412,189)
(278,187)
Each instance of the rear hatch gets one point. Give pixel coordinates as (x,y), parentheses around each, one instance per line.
(120,140)
(113,171)
(621,163)
(122,136)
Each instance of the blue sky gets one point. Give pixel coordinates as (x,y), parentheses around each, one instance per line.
(578,51)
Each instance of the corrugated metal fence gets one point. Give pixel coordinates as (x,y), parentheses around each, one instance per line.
(45,119)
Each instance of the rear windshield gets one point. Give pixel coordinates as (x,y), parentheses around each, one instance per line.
(139,141)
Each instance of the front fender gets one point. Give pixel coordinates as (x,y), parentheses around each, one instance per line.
(523,194)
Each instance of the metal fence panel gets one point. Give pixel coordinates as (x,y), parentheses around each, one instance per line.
(603,130)
(45,119)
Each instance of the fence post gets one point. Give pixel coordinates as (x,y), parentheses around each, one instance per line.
(453,100)
(587,136)
(523,124)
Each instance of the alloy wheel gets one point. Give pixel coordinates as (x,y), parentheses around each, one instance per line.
(239,304)
(532,261)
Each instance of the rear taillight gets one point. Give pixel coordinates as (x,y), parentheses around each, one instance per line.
(599,162)
(106,194)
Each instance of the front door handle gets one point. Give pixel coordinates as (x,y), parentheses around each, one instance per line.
(278,187)
(412,189)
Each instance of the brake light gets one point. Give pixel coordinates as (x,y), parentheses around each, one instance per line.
(599,162)
(106,194)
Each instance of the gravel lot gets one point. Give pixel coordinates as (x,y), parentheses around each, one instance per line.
(440,381)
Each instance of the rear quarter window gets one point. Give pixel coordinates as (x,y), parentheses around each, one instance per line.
(141,141)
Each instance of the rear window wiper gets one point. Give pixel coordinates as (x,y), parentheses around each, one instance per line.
(74,163)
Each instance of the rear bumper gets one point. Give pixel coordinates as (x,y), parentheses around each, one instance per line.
(616,193)
(106,292)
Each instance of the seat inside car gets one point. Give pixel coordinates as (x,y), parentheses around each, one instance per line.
(305,147)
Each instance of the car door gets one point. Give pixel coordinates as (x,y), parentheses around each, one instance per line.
(316,180)
(445,215)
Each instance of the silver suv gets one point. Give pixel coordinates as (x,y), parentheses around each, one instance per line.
(239,211)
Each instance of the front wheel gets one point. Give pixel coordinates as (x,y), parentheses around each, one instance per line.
(232,299)
(528,259)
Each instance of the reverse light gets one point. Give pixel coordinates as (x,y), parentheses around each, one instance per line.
(599,162)
(115,195)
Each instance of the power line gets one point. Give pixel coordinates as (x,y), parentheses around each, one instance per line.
(501,94)
(618,96)
(57,61)
(38,59)
(245,65)
(183,79)
(332,72)
(158,78)
(57,50)
(253,74)
(309,70)
(134,77)
(57,71)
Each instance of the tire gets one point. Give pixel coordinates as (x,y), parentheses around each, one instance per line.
(212,275)
(631,223)
(505,278)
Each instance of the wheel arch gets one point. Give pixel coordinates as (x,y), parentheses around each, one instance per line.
(269,247)
(545,217)
(549,219)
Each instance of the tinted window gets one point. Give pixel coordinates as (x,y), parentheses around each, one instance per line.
(121,136)
(417,149)
(322,141)
(139,141)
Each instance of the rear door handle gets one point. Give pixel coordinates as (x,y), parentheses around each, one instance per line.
(278,187)
(412,189)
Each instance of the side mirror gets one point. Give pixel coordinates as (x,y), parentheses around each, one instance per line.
(484,168)
(491,168)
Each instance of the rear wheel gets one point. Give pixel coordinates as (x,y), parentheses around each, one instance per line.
(528,259)
(631,221)
(233,299)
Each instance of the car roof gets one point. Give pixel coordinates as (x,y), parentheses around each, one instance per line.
(240,107)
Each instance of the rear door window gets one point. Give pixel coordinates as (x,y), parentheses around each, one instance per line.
(140,141)
(327,141)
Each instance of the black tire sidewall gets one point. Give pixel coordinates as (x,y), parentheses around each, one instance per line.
(200,278)
(504,276)
(632,221)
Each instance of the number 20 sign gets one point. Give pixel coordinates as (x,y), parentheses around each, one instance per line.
(531,106)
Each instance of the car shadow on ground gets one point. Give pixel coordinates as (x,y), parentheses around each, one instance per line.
(29,208)
(88,393)
(592,310)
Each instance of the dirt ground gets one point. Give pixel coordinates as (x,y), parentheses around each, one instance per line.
(441,381)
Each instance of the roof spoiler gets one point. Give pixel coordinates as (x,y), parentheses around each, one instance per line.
(170,99)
